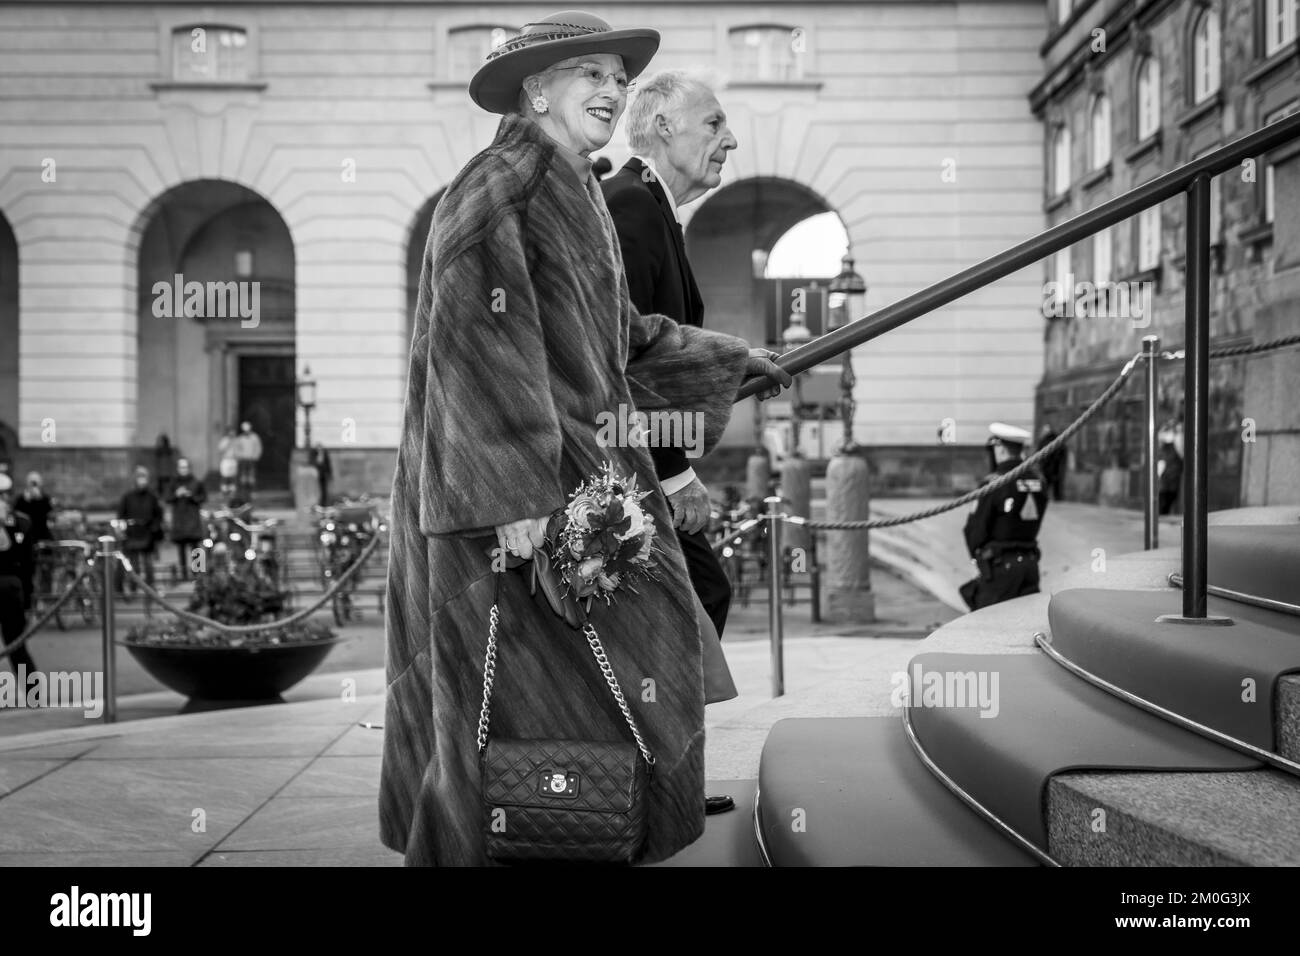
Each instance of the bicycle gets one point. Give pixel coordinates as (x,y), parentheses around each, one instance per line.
(345,530)
(58,569)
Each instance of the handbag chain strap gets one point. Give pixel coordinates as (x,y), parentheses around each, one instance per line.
(597,650)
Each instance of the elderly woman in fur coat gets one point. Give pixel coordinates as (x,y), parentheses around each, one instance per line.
(524,336)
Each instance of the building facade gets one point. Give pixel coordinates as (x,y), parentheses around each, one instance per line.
(201,201)
(1132,89)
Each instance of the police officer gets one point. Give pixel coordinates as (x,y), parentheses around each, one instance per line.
(1001,531)
(15,573)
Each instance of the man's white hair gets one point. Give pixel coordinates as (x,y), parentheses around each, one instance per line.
(663,94)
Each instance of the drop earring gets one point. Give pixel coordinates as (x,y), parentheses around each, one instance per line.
(539,104)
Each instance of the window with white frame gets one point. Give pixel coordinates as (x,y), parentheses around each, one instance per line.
(765,53)
(1148,98)
(1273,117)
(1061,160)
(1279,24)
(1148,244)
(1102,246)
(1205,56)
(468,47)
(1063,278)
(210,53)
(1099,132)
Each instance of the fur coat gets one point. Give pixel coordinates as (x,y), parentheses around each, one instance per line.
(524,342)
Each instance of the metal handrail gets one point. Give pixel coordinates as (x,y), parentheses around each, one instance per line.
(1051,240)
(1192,179)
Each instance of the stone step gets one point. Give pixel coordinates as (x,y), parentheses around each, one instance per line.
(1004,724)
(1227,678)
(851,792)
(1245,818)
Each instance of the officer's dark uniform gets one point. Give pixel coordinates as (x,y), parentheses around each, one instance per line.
(15,583)
(1001,535)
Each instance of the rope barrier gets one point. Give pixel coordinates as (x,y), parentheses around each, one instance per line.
(47,614)
(294,618)
(984,490)
(1179,354)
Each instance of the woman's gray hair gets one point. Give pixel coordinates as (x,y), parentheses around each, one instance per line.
(663,94)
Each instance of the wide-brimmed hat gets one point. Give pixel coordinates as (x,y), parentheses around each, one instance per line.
(562,35)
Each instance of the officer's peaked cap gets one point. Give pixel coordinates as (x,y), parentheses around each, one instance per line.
(1000,431)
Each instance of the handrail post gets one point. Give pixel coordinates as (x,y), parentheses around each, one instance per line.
(1151,353)
(1196,403)
(107,561)
(775,626)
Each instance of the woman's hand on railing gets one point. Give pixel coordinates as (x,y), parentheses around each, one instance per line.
(522,537)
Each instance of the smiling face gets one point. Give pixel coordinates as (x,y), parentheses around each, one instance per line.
(698,146)
(582,107)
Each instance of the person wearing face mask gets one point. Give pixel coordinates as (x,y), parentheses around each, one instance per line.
(186,497)
(15,575)
(143,514)
(679,132)
(524,339)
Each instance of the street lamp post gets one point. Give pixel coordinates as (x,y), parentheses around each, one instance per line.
(851,286)
(307,400)
(847,568)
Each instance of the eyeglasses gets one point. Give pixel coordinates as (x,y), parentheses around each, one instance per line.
(596,76)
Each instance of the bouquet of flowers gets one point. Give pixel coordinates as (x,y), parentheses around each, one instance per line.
(603,538)
(600,542)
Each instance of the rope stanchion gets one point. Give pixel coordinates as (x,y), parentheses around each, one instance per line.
(294,618)
(46,615)
(1001,481)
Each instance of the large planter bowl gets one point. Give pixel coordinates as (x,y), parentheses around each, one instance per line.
(232,673)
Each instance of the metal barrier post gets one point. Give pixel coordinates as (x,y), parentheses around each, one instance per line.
(814,580)
(1150,351)
(1196,405)
(775,627)
(107,562)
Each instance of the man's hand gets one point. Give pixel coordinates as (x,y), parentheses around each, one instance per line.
(761,362)
(691,507)
(521,537)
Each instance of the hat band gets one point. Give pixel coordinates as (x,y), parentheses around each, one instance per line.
(524,40)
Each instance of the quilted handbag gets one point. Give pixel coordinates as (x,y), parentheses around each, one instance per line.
(575,801)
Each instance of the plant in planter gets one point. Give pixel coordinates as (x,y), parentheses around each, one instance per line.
(202,661)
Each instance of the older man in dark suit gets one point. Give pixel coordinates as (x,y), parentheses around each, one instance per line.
(679,133)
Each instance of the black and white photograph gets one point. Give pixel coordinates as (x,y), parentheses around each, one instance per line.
(688,435)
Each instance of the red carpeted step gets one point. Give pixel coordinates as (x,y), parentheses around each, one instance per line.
(852,792)
(1000,725)
(728,838)
(1223,677)
(1262,560)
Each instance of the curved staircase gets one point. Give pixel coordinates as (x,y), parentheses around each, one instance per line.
(1076,730)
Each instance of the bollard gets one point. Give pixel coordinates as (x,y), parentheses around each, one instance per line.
(1151,526)
(849,599)
(107,562)
(775,627)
